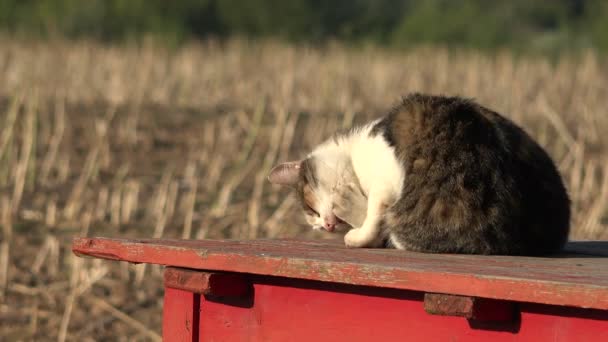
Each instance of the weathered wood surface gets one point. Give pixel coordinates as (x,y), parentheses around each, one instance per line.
(579,280)
(207,283)
(474,308)
(182,315)
(302,310)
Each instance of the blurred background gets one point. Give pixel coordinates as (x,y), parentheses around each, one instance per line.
(132,118)
(521,25)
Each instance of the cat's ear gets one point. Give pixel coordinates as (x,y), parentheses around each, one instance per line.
(285,173)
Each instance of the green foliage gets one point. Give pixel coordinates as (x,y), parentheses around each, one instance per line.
(599,25)
(452,23)
(523,24)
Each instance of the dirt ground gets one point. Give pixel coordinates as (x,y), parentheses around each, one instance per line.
(139,141)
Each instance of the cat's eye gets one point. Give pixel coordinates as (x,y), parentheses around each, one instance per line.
(312,211)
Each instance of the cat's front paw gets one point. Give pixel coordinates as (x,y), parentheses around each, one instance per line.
(354,238)
(358,238)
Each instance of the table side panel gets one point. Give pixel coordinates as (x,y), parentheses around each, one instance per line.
(291,310)
(181,310)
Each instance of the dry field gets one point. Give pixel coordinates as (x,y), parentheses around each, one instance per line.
(146,142)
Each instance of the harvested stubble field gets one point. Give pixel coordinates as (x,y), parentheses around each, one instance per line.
(147,142)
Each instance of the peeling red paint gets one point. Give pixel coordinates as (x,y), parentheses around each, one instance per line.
(207,283)
(566,280)
(473,308)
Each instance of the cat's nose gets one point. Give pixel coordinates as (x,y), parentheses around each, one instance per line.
(329,226)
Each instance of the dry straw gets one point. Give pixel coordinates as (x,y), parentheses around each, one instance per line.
(139,141)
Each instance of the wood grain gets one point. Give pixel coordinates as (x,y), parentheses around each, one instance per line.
(579,280)
(300,310)
(207,283)
(181,315)
(472,308)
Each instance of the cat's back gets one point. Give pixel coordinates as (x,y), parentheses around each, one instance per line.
(466,168)
(437,135)
(421,119)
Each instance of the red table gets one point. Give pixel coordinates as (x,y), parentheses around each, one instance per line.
(295,290)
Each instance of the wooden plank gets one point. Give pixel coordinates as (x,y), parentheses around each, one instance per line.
(181,314)
(593,248)
(473,308)
(207,283)
(299,310)
(579,280)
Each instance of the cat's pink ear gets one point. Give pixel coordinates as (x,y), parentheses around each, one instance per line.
(285,173)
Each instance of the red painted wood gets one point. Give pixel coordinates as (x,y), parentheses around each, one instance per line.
(207,283)
(572,280)
(181,310)
(478,309)
(298,310)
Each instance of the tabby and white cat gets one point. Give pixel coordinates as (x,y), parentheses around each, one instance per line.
(436,174)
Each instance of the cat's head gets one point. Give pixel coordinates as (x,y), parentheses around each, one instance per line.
(314,185)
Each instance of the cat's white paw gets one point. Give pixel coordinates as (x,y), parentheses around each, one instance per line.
(357,237)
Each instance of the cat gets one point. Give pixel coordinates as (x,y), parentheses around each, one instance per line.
(437,174)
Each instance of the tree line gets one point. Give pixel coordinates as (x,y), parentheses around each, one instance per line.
(541,25)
